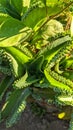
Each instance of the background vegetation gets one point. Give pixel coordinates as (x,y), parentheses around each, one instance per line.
(36,56)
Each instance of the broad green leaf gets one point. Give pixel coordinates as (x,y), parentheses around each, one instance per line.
(18,4)
(3,2)
(15,7)
(10,9)
(12,25)
(53,2)
(32,19)
(2,9)
(3,17)
(12,31)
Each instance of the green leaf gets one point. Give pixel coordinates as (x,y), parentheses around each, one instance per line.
(10,9)
(59,41)
(15,8)
(25,81)
(57,85)
(6,82)
(65,99)
(12,31)
(17,54)
(2,10)
(32,19)
(36,65)
(3,2)
(3,17)
(53,2)
(44,1)
(25,50)
(16,114)
(15,106)
(18,4)
(5,70)
(16,67)
(68,74)
(21,82)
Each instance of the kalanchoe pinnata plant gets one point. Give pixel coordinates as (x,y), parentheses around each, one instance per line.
(36,55)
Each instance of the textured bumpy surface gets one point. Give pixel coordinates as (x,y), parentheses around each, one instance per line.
(36,56)
(55,78)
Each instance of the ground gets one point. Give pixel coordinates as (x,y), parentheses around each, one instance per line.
(30,121)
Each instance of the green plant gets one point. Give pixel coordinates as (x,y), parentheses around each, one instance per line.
(37,110)
(35,52)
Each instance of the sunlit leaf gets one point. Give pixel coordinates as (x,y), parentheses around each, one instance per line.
(12,31)
(32,19)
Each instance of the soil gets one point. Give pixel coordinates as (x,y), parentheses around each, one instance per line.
(30,121)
